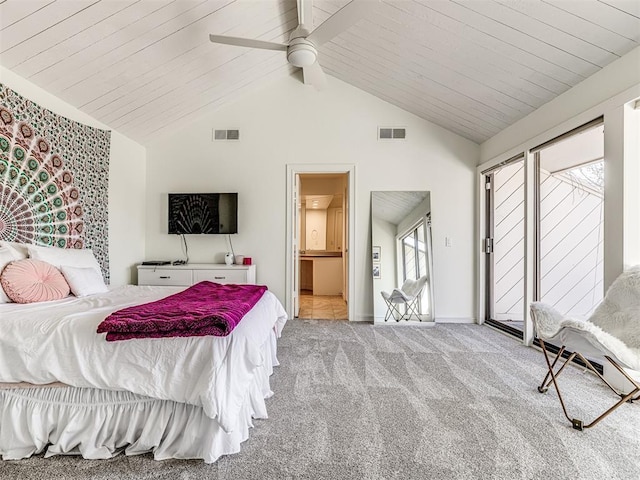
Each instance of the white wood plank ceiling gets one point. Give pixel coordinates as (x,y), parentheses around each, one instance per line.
(471,66)
(393,207)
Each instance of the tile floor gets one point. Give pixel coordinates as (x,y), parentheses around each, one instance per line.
(326,307)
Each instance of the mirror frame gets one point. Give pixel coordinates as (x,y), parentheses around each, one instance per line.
(406,211)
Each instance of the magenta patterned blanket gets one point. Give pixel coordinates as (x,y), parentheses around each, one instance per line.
(206,308)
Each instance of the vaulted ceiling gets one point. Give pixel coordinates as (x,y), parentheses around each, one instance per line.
(471,66)
(393,207)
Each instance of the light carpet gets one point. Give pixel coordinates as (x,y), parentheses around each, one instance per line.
(357,401)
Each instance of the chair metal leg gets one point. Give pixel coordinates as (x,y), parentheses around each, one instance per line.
(576,423)
(412,309)
(392,311)
(623,397)
(544,386)
(389,311)
(552,374)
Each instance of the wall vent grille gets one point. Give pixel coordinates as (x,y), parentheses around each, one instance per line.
(233,134)
(385,133)
(226,134)
(390,133)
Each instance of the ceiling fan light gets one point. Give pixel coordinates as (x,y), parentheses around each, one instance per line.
(301,55)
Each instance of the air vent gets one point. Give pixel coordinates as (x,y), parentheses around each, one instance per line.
(399,133)
(385,133)
(226,134)
(233,134)
(389,133)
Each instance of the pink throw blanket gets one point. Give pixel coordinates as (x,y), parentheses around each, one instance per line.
(206,308)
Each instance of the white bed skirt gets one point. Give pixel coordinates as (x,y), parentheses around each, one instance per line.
(100,424)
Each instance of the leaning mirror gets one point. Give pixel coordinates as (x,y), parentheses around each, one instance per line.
(401,257)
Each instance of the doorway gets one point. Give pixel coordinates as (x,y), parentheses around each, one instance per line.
(319,240)
(564,227)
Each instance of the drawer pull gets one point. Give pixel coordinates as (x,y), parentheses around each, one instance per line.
(219,278)
(165,277)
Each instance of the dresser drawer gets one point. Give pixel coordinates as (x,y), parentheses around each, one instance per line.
(164,276)
(220,276)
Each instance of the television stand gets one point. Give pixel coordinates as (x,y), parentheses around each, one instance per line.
(192,273)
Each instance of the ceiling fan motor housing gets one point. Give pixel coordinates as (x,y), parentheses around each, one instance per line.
(301,52)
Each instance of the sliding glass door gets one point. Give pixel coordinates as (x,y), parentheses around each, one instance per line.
(570,218)
(504,245)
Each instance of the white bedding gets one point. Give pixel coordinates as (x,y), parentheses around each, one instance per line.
(57,341)
(98,423)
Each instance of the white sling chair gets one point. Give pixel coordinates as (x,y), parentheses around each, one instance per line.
(611,334)
(409,296)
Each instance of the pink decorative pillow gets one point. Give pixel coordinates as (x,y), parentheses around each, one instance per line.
(28,281)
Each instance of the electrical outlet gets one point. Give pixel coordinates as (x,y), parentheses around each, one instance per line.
(447,241)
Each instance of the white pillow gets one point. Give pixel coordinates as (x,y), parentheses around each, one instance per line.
(71,257)
(21,248)
(8,254)
(83,280)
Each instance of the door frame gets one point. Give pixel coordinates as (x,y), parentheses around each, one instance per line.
(292,170)
(484,277)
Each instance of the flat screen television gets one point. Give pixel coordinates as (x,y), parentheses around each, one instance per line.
(203,213)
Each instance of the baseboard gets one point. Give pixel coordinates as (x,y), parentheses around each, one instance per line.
(455,320)
(404,323)
(380,321)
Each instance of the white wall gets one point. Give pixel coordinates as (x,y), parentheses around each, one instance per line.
(384,236)
(126,182)
(290,123)
(631,185)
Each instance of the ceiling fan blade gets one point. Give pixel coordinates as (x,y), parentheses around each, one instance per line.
(343,19)
(314,75)
(305,13)
(247,42)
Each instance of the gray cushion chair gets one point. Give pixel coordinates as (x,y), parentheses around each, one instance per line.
(408,295)
(611,336)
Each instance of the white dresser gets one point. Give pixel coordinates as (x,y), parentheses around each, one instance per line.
(191,273)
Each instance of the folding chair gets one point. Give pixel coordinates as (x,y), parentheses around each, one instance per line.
(611,335)
(408,295)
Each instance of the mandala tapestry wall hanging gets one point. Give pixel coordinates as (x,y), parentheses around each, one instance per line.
(54,175)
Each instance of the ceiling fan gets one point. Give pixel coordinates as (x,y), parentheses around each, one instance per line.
(301,49)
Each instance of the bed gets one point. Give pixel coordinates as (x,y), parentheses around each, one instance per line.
(181,397)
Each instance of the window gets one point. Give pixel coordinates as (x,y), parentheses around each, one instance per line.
(414,255)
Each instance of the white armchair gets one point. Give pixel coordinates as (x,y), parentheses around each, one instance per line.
(408,295)
(611,336)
